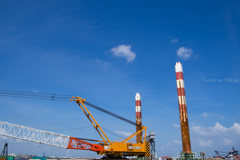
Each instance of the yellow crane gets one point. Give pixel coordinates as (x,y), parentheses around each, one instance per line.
(105,146)
(116,149)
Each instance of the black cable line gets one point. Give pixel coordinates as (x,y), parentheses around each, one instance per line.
(66,129)
(33,95)
(221,152)
(55,97)
(36,93)
(96,133)
(33,98)
(114,133)
(110,113)
(85,139)
(25,97)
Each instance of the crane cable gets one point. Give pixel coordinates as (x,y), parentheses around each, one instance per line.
(110,113)
(33,95)
(56,97)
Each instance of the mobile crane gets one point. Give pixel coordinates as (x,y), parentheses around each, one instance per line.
(104,147)
(116,149)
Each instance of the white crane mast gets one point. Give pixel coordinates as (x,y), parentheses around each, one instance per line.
(33,135)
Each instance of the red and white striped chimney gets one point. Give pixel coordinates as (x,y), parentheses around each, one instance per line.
(181,91)
(138,117)
(182,109)
(138,106)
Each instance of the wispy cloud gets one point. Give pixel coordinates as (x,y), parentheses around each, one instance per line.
(127,134)
(172,143)
(176,126)
(124,51)
(205,142)
(34,90)
(175,40)
(104,65)
(177,142)
(184,53)
(227,141)
(205,114)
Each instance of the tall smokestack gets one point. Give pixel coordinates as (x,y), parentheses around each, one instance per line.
(138,117)
(182,109)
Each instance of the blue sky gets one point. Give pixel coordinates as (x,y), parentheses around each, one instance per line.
(106,52)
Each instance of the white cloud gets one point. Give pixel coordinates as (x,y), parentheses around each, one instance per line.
(124,51)
(217,135)
(104,65)
(205,114)
(235,128)
(177,142)
(227,141)
(175,40)
(184,53)
(173,143)
(127,134)
(177,126)
(204,142)
(217,129)
(201,130)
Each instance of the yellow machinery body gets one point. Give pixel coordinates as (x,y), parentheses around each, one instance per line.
(116,149)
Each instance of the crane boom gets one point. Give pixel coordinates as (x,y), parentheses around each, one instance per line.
(45,137)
